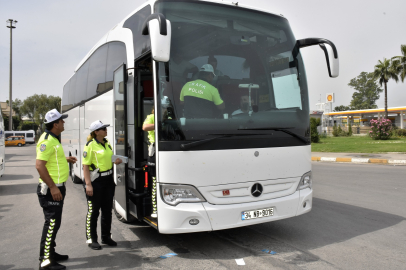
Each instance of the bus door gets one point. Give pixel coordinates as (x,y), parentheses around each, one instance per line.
(120,139)
(139,188)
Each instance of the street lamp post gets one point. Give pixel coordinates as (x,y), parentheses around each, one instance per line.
(11,24)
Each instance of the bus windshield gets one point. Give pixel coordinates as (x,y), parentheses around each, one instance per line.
(231,71)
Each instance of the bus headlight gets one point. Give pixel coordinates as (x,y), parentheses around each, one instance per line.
(175,194)
(305,181)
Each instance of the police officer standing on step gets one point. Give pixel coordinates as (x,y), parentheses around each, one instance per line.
(100,186)
(53,169)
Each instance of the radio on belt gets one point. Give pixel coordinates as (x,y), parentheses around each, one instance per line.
(123,158)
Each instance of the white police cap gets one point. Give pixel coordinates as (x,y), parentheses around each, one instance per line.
(97,125)
(54,115)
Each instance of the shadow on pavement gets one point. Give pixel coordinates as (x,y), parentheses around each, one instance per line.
(7,190)
(113,260)
(328,223)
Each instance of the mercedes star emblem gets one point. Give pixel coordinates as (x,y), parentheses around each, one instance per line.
(256,190)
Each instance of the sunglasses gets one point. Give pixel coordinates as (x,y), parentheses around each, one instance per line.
(101,129)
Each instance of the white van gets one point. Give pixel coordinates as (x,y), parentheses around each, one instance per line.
(29,135)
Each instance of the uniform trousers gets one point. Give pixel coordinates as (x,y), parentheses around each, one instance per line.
(53,217)
(102,199)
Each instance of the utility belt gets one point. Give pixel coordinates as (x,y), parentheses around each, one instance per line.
(96,174)
(44,187)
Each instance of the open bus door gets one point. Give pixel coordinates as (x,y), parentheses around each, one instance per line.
(133,190)
(140,201)
(120,146)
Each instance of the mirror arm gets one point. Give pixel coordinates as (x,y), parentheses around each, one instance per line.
(162,24)
(302,43)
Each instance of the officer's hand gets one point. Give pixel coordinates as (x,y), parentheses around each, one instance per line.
(118,161)
(56,194)
(89,190)
(71,159)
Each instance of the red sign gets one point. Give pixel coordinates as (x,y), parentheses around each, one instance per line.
(226,192)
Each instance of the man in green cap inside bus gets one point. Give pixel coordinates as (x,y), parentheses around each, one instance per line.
(199,96)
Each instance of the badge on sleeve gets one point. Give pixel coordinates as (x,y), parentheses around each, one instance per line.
(84,154)
(43,147)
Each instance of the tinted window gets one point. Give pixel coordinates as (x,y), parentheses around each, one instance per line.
(142,43)
(81,83)
(97,70)
(116,56)
(20,134)
(30,135)
(8,135)
(72,88)
(65,97)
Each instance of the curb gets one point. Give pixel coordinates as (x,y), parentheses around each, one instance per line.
(360,160)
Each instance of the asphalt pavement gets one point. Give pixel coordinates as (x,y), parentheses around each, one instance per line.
(358,221)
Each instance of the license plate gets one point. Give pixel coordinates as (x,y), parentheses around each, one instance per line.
(267,212)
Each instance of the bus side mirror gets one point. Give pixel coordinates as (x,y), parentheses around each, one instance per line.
(330,52)
(159,30)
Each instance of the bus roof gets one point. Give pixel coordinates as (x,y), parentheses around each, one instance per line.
(119,26)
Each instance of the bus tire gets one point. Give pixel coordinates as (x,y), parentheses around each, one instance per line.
(75,179)
(131,220)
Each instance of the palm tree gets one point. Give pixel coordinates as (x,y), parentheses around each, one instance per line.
(401,62)
(384,71)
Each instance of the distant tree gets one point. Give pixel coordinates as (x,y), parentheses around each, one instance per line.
(314,134)
(341,108)
(16,122)
(384,71)
(35,107)
(366,92)
(400,63)
(17,103)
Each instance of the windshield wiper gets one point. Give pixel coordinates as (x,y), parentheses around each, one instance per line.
(283,129)
(186,146)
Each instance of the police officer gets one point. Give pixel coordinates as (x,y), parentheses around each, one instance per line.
(53,169)
(199,95)
(100,186)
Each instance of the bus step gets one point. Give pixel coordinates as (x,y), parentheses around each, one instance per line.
(153,222)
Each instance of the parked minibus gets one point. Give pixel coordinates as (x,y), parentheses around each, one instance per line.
(29,135)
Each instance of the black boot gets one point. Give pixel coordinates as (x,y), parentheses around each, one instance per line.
(109,242)
(94,246)
(58,257)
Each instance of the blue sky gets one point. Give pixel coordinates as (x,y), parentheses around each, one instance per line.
(53,36)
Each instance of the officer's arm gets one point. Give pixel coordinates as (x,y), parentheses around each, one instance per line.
(148,127)
(88,181)
(43,173)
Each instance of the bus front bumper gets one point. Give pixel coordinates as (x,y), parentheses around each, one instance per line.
(218,217)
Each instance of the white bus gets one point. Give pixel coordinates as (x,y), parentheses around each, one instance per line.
(2,146)
(29,135)
(216,169)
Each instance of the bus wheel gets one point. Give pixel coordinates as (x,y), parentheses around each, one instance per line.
(131,220)
(74,178)
(19,145)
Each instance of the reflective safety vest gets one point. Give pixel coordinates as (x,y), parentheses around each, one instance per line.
(49,149)
(98,155)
